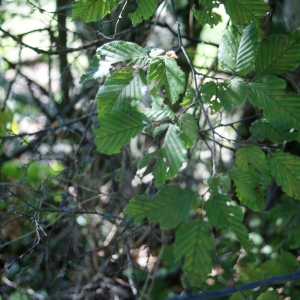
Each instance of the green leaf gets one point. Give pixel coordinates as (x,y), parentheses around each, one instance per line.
(173,150)
(92,10)
(246,11)
(170,206)
(117,128)
(284,210)
(222,212)
(170,157)
(123,90)
(286,170)
(159,171)
(206,15)
(160,129)
(145,10)
(195,245)
(121,51)
(281,110)
(278,54)
(159,110)
(251,158)
(238,49)
(188,129)
(111,53)
(166,72)
(189,97)
(97,69)
(144,161)
(6,117)
(232,92)
(208,94)
(294,238)
(269,295)
(247,188)
(251,176)
(208,90)
(264,130)
(153,51)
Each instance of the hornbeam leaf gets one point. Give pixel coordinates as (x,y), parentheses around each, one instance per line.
(189,97)
(251,176)
(232,92)
(188,129)
(173,150)
(206,15)
(171,156)
(117,128)
(159,171)
(195,245)
(144,11)
(170,206)
(281,110)
(269,295)
(278,54)
(118,51)
(208,93)
(264,130)
(246,11)
(144,161)
(159,111)
(286,170)
(166,71)
(222,212)
(93,10)
(113,52)
(159,129)
(238,49)
(247,188)
(251,158)
(97,69)
(123,90)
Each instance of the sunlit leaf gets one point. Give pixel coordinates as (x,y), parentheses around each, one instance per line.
(97,69)
(166,72)
(189,97)
(208,93)
(117,128)
(111,53)
(92,10)
(206,14)
(170,206)
(238,49)
(232,92)
(118,51)
(144,10)
(159,111)
(123,90)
